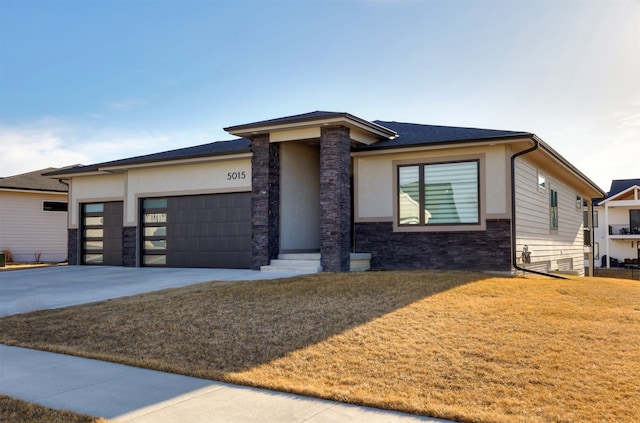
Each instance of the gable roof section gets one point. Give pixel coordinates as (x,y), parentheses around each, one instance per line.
(413,134)
(619,185)
(218,148)
(34,181)
(620,188)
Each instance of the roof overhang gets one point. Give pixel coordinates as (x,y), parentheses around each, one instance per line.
(309,127)
(34,191)
(116,167)
(482,142)
(587,186)
(192,160)
(620,198)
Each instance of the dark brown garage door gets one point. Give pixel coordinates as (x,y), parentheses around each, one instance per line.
(102,233)
(197,231)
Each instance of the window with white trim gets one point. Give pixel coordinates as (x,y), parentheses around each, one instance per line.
(439,193)
(542,182)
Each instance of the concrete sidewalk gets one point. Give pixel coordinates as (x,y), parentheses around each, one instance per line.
(129,394)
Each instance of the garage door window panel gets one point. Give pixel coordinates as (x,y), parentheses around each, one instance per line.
(93,244)
(154,231)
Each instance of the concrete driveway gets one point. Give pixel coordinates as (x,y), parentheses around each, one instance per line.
(27,290)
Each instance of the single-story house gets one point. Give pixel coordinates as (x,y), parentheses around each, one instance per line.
(616,226)
(334,192)
(33,217)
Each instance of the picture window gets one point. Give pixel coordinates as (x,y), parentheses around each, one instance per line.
(439,194)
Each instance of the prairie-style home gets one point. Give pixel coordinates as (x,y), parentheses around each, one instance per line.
(329,191)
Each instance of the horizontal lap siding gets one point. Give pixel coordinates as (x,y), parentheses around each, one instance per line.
(26,230)
(550,250)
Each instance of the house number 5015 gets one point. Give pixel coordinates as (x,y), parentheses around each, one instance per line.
(236,175)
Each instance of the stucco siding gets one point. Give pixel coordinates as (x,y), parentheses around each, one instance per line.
(93,188)
(29,232)
(374,177)
(299,197)
(561,249)
(188,179)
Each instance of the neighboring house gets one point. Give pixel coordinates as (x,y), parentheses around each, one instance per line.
(331,191)
(33,217)
(616,226)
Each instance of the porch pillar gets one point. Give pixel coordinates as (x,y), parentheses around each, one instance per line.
(335,198)
(265,201)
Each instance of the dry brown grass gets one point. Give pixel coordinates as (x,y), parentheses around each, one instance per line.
(454,345)
(13,410)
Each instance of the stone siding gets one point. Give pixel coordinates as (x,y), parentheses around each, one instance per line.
(472,250)
(335,198)
(265,201)
(129,246)
(72,247)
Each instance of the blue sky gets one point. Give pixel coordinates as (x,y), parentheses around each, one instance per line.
(91,81)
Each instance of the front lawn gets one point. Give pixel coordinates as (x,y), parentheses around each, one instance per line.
(456,345)
(13,410)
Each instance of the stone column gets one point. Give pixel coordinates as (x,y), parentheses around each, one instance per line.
(129,246)
(265,201)
(335,198)
(72,247)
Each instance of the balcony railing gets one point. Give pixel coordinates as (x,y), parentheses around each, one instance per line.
(623,230)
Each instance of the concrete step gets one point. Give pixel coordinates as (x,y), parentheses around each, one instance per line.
(295,263)
(310,263)
(291,269)
(299,256)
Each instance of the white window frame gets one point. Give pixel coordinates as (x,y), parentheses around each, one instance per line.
(542,182)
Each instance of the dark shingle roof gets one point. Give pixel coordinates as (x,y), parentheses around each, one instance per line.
(416,134)
(308,117)
(240,145)
(318,114)
(619,185)
(34,181)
